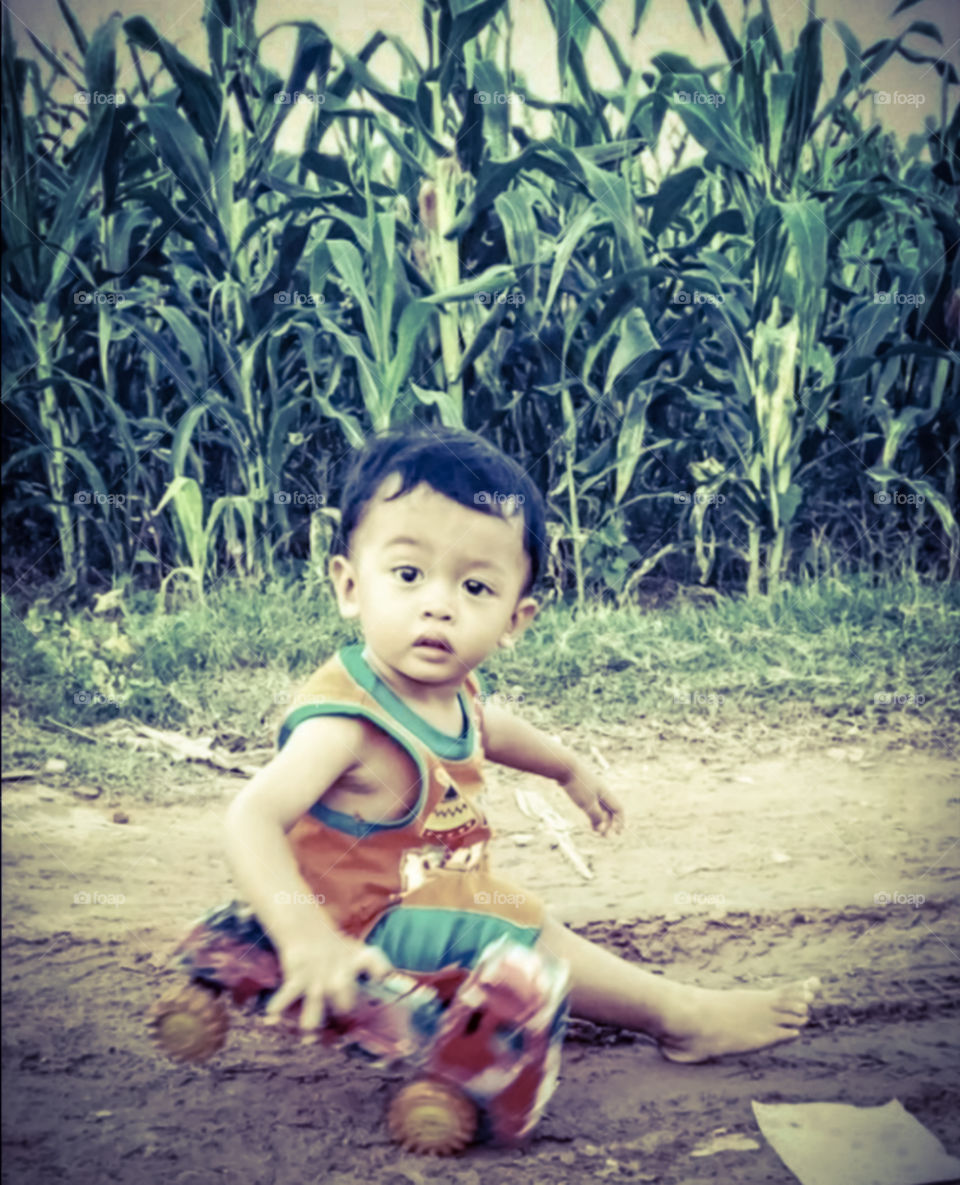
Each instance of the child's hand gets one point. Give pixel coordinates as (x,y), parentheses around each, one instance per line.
(600,805)
(323,973)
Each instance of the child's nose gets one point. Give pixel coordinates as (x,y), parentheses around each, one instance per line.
(438,601)
(435,609)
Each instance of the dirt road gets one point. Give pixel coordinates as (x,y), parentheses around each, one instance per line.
(841,863)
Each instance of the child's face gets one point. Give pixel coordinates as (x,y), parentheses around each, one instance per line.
(425,567)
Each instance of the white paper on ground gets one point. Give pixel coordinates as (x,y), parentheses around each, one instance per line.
(838,1144)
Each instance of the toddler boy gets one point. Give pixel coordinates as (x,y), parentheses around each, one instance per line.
(362,844)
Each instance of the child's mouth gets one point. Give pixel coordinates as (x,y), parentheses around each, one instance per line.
(433,644)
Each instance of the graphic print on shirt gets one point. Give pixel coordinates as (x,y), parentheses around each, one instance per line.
(452,818)
(417,864)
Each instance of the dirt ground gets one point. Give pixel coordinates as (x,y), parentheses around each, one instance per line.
(734,870)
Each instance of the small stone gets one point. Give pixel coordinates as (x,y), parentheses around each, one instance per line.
(121,817)
(725,1142)
(852,753)
(55,765)
(523,841)
(87,791)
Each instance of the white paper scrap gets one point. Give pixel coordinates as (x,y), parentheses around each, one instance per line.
(839,1144)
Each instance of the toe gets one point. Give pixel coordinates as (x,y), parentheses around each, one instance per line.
(790,1002)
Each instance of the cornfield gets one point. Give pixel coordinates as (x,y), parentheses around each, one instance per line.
(713,315)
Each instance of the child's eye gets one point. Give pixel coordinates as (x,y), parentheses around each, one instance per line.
(407,573)
(476,587)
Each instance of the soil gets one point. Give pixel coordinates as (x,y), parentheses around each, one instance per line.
(734,870)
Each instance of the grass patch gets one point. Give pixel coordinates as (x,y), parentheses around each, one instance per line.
(883,658)
(839,648)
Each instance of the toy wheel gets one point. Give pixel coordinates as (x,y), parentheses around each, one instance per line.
(190,1024)
(432,1118)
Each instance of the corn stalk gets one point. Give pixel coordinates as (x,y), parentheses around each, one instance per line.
(692,360)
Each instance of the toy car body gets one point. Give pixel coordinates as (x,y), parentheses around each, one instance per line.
(486,1041)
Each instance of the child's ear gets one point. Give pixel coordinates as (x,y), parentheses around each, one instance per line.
(523,615)
(344,581)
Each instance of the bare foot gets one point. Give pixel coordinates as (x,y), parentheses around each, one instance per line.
(710,1023)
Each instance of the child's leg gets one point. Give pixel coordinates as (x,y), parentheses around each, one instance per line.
(689,1023)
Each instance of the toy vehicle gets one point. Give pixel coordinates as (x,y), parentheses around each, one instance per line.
(486,1042)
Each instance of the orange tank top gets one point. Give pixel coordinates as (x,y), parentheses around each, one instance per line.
(436,853)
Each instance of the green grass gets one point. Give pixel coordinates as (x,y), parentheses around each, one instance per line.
(828,651)
(833,646)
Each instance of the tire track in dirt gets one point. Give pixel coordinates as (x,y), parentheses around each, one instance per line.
(88,1099)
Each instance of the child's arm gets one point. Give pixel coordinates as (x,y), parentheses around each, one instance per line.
(508,740)
(319,963)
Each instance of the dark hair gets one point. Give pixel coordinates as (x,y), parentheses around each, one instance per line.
(454,462)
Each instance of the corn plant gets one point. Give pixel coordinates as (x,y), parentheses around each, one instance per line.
(766,290)
(690,359)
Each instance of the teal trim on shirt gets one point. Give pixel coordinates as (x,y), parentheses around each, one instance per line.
(339,819)
(441,743)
